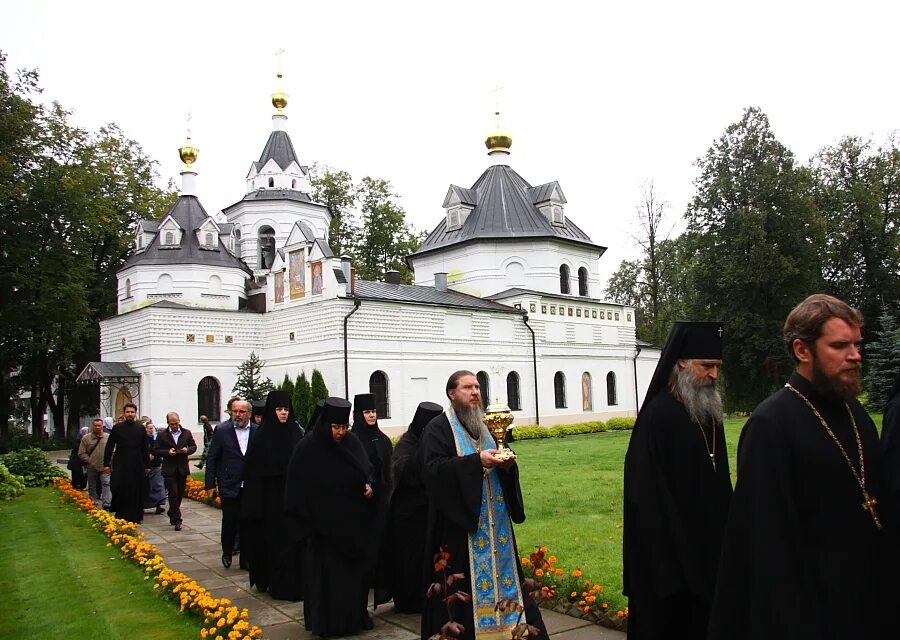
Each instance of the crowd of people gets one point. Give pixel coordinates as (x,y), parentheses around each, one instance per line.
(805,545)
(332,512)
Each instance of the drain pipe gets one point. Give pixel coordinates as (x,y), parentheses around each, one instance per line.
(637,401)
(356,303)
(537,413)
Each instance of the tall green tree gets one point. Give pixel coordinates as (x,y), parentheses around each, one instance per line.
(69,198)
(250,384)
(318,391)
(757,251)
(857,190)
(335,189)
(883,357)
(385,238)
(302,396)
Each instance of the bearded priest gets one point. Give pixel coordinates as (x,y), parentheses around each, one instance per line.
(474,497)
(677,489)
(810,549)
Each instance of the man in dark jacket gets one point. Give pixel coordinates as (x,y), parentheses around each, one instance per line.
(173,446)
(225,471)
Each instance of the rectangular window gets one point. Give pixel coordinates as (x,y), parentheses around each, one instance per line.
(578,312)
(552,309)
(210,339)
(594,314)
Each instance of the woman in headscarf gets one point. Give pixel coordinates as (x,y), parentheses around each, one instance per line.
(270,549)
(329,495)
(379,449)
(409,515)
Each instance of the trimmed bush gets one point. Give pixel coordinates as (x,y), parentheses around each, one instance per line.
(620,424)
(33,466)
(10,486)
(532,432)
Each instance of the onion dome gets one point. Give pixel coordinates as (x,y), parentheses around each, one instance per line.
(499,139)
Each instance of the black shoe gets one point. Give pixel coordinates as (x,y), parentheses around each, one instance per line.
(368,623)
(160,509)
(226,560)
(236,551)
(199,466)
(177,526)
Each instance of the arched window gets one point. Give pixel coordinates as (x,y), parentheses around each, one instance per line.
(266,247)
(564,278)
(215,285)
(582,282)
(515,274)
(170,237)
(294,183)
(512,391)
(209,399)
(140,241)
(378,385)
(165,284)
(559,390)
(587,394)
(127,287)
(210,242)
(271,182)
(611,389)
(485,383)
(237,233)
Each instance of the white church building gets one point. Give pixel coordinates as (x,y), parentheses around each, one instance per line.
(506,285)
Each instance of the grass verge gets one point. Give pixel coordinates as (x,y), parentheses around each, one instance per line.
(59,580)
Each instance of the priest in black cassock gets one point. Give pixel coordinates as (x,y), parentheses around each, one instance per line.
(677,489)
(270,545)
(409,514)
(810,545)
(474,497)
(329,495)
(128,457)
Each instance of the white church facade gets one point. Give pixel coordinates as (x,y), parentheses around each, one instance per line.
(506,285)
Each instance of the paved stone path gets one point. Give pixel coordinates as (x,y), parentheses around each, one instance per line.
(196,551)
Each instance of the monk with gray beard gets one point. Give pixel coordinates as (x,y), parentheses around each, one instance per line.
(677,490)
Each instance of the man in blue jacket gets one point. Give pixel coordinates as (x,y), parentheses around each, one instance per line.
(225,471)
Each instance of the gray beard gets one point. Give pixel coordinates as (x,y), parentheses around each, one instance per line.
(703,403)
(471,418)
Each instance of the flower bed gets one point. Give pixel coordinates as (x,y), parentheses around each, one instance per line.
(222,620)
(195,491)
(570,592)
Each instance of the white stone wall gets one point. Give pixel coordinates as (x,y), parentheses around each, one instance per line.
(193,285)
(485,268)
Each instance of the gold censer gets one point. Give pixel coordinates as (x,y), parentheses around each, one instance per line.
(497,418)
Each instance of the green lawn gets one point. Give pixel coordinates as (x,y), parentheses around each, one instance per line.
(573,501)
(60,580)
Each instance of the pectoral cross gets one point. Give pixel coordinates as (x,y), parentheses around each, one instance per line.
(869,505)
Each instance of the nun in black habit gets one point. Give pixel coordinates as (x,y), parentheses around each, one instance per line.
(379,450)
(409,515)
(329,495)
(270,547)
(890,441)
(677,492)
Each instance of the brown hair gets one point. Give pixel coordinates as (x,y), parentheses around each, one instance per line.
(805,321)
(130,404)
(454,379)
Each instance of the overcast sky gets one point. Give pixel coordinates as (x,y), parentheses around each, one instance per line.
(598,96)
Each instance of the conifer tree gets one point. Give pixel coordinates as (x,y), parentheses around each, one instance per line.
(318,390)
(249,385)
(883,359)
(302,395)
(287,385)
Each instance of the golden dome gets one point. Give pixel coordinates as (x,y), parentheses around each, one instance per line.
(279,98)
(499,139)
(188,152)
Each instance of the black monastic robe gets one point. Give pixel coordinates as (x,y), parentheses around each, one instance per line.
(676,504)
(454,488)
(802,559)
(408,519)
(324,496)
(127,453)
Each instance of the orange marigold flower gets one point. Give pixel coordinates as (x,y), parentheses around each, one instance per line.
(574,594)
(586,609)
(604,605)
(525,561)
(551,559)
(620,614)
(539,573)
(576,573)
(558,572)
(543,549)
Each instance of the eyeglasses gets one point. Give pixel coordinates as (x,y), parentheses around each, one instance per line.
(340,427)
